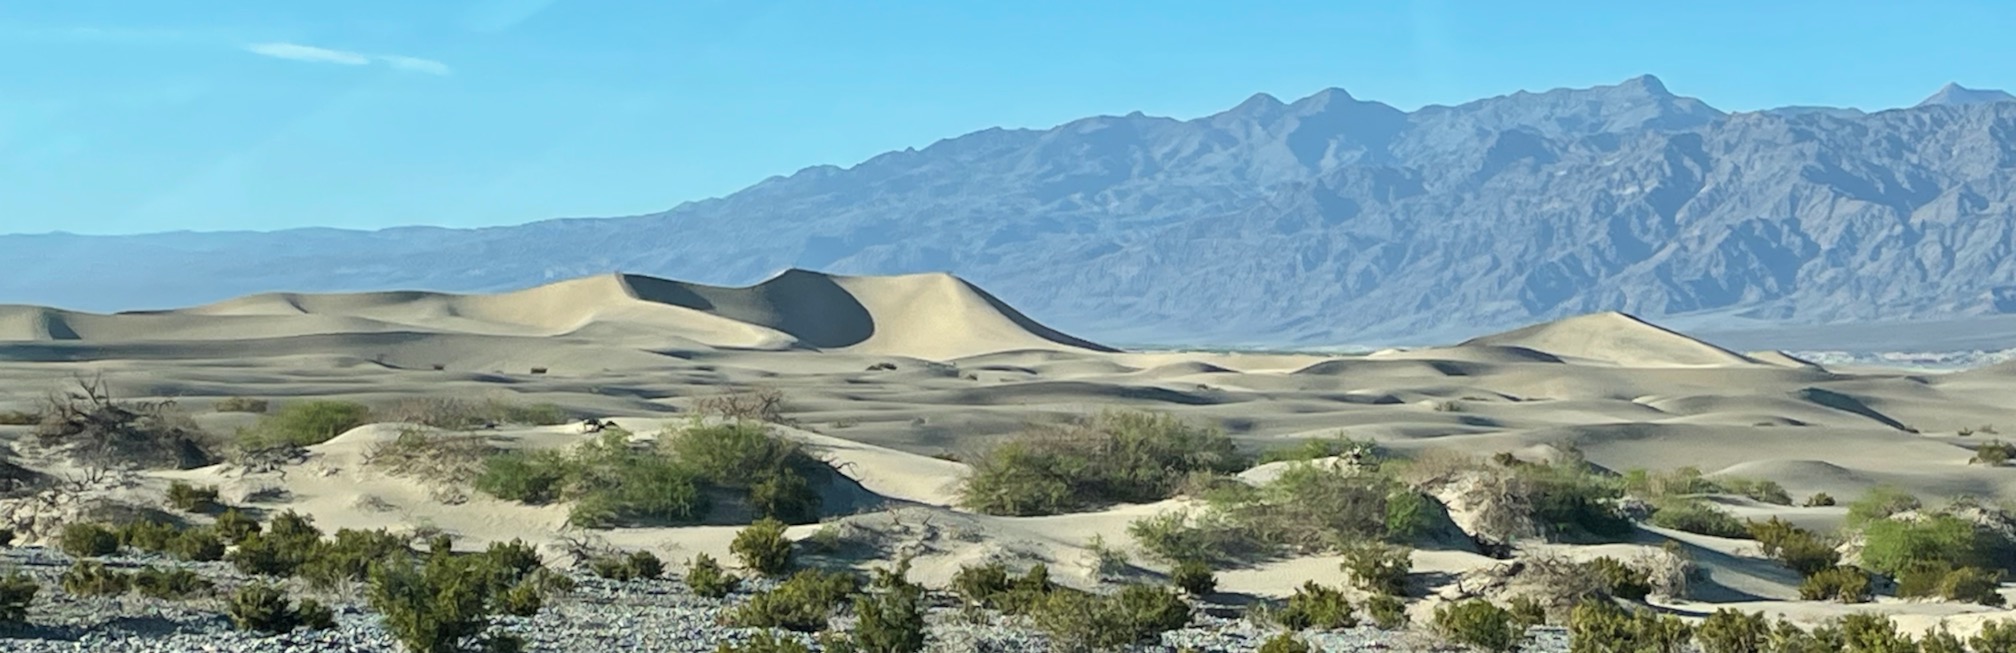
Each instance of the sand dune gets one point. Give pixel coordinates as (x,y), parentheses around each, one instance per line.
(888,377)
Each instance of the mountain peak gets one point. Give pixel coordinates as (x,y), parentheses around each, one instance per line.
(1953,94)
(1325,98)
(1646,84)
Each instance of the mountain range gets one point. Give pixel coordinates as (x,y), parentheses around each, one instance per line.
(1329,219)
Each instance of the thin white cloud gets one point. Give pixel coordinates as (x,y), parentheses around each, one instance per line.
(313,54)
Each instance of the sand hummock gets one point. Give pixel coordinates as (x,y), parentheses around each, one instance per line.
(894,378)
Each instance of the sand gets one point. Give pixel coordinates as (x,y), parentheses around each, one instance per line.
(888,376)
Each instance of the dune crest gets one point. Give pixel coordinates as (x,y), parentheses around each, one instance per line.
(933,316)
(1616,338)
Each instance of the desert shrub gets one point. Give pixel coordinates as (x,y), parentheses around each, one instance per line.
(774,471)
(189,498)
(1941,640)
(1569,501)
(1378,568)
(289,541)
(303,424)
(233,526)
(1599,626)
(433,606)
(1136,613)
(1320,448)
(762,548)
(802,602)
(19,418)
(169,584)
(196,545)
(708,579)
(1478,624)
(1993,452)
(432,456)
(147,535)
(1765,491)
(1316,606)
(348,556)
(1194,578)
(461,414)
(1996,635)
(1798,548)
(1881,502)
(990,586)
(1968,584)
(87,540)
(891,621)
(1284,643)
(88,426)
(1618,579)
(1841,584)
(17,591)
(1113,457)
(1818,500)
(534,477)
(240,405)
(754,404)
(1696,516)
(1388,612)
(1180,535)
(1874,633)
(1824,638)
(1893,546)
(610,481)
(636,565)
(1526,612)
(1733,631)
(266,608)
(91,578)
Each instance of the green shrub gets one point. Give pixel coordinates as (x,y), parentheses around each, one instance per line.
(1841,584)
(433,607)
(1894,546)
(1996,635)
(1993,453)
(1941,640)
(535,477)
(990,586)
(17,591)
(1696,516)
(1819,500)
(610,482)
(91,578)
(1798,548)
(1317,449)
(762,548)
(1732,631)
(1618,579)
(233,526)
(147,535)
(1569,501)
(1136,613)
(1387,611)
(460,414)
(1194,578)
(708,579)
(764,642)
(1874,633)
(1478,624)
(1114,457)
(189,498)
(1284,643)
(636,565)
(1968,584)
(1757,489)
(196,545)
(87,540)
(281,550)
(169,584)
(265,608)
(802,602)
(1378,568)
(1316,606)
(349,555)
(1526,612)
(1881,502)
(1600,626)
(891,621)
(304,424)
(745,455)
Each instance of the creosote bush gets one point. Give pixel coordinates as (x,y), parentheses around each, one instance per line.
(1388,612)
(88,540)
(266,608)
(1597,626)
(1840,584)
(462,414)
(890,620)
(1378,568)
(802,602)
(990,586)
(17,591)
(1284,643)
(303,424)
(1880,502)
(169,584)
(1894,546)
(91,578)
(1732,631)
(636,565)
(1194,578)
(1308,509)
(1479,624)
(1135,613)
(1819,500)
(1316,606)
(189,498)
(233,526)
(1113,457)
(1697,516)
(708,579)
(774,472)
(762,548)
(1800,549)
(1993,453)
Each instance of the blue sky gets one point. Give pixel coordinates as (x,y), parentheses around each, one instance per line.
(143,115)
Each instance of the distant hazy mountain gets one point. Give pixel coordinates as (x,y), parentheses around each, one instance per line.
(1955,95)
(1327,219)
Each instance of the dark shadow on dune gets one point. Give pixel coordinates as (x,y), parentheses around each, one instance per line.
(1707,590)
(1848,404)
(807,305)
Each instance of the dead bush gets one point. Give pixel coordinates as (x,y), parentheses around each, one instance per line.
(87,425)
(756,404)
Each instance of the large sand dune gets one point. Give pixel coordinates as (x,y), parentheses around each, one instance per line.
(889,374)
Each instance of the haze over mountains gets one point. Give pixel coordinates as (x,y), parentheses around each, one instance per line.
(1324,220)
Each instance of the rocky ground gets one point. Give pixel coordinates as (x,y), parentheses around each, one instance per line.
(599,615)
